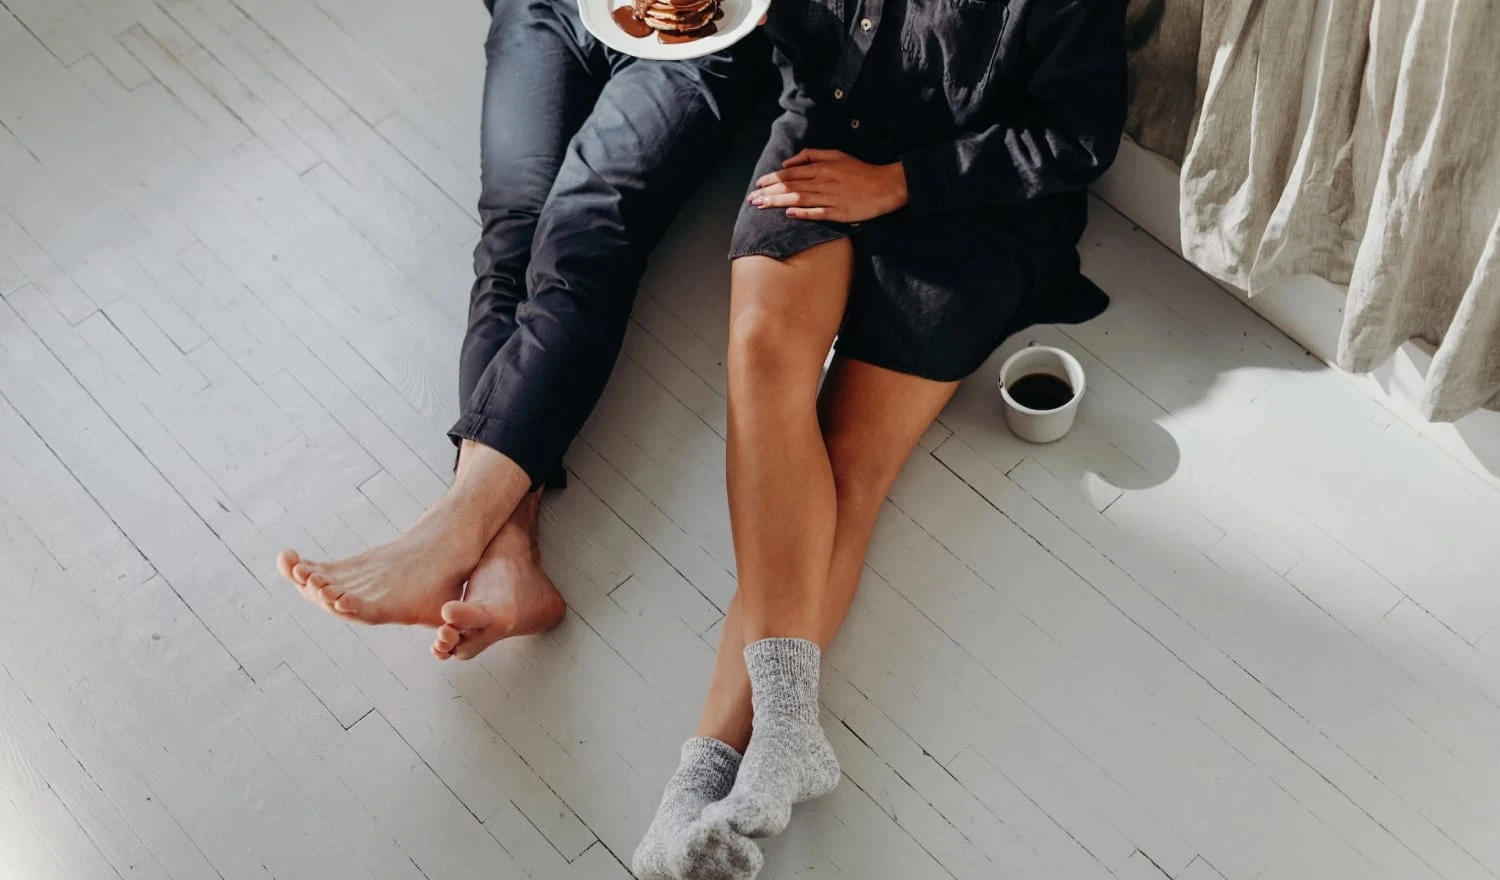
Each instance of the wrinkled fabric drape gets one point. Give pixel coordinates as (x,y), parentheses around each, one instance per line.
(1243,146)
(1428,266)
(1392,189)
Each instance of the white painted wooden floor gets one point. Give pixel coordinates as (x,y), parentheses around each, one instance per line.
(1242,624)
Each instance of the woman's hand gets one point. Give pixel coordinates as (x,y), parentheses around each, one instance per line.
(832,185)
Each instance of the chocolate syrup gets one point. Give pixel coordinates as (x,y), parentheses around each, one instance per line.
(624,16)
(674,39)
(1040,391)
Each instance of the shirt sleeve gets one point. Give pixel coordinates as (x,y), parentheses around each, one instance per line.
(1062,134)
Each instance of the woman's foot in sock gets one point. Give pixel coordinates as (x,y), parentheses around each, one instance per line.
(508,594)
(788,762)
(789,759)
(712,851)
(705,774)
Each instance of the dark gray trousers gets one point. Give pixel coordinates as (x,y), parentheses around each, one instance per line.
(586,155)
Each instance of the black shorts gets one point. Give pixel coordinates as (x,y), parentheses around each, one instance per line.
(933,296)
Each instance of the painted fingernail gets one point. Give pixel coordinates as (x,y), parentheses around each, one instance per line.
(757,201)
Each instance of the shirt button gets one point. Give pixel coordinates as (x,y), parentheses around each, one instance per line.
(854,123)
(838,94)
(865,24)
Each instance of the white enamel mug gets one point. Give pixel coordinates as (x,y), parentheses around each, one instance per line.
(1041,425)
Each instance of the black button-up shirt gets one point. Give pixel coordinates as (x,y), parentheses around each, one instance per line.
(986,103)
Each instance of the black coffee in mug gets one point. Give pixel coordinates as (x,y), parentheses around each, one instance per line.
(1041,391)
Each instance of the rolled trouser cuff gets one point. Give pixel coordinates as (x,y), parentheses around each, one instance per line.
(542,464)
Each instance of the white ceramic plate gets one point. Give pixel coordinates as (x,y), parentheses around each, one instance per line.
(740,18)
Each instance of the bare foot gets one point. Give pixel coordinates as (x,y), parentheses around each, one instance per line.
(406,581)
(509,594)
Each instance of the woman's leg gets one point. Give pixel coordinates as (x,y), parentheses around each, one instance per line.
(727,714)
(871,420)
(782,508)
(783,317)
(783,511)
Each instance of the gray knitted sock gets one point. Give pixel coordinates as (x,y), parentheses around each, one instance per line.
(713,851)
(789,759)
(705,774)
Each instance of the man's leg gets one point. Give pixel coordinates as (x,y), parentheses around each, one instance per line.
(408,580)
(540,85)
(541,82)
(508,593)
(654,131)
(538,91)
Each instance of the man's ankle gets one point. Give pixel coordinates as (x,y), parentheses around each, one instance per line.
(517,541)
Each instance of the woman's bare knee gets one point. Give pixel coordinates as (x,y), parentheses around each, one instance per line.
(783,317)
(769,352)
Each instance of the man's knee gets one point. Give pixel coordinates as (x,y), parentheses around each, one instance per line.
(577,314)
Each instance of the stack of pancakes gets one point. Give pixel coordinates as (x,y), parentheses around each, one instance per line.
(682,17)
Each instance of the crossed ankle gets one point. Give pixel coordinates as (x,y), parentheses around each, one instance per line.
(451,525)
(784,679)
(789,759)
(518,544)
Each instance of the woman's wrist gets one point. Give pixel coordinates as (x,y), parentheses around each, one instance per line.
(895,175)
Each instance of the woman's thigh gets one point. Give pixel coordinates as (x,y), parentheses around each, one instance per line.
(784,314)
(872,418)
